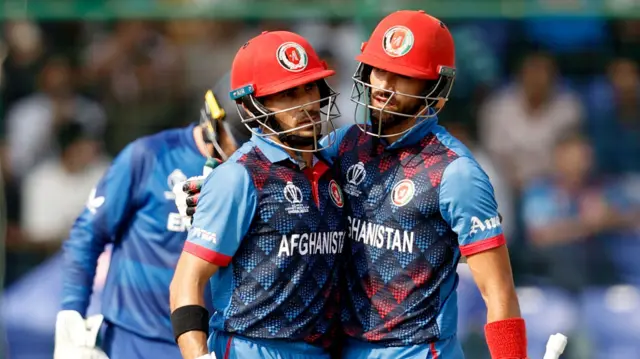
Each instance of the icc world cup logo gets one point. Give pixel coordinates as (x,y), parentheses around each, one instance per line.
(292,193)
(356,174)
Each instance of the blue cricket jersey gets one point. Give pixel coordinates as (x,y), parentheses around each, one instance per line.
(413,208)
(276,232)
(133,208)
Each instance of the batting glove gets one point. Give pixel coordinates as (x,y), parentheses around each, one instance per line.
(187,192)
(76,337)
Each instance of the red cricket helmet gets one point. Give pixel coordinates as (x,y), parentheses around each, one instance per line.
(273,62)
(409,43)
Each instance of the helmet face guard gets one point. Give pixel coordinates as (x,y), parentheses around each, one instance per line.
(255,116)
(273,62)
(412,44)
(432,100)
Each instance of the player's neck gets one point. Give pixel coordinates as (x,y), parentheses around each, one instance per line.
(307,157)
(304,159)
(400,127)
(298,156)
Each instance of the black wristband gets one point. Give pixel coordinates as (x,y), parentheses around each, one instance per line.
(189,318)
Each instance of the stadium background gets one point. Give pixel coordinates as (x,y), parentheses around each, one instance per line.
(546,97)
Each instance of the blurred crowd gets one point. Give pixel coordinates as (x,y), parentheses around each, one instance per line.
(550,108)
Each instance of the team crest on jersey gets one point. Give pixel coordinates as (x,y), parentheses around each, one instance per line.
(292,57)
(397,41)
(403,192)
(293,194)
(336,194)
(355,176)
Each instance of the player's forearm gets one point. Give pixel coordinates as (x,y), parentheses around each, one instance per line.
(193,344)
(184,292)
(499,293)
(502,304)
(492,273)
(81,254)
(505,331)
(188,284)
(187,290)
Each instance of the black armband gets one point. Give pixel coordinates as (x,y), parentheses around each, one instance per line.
(189,318)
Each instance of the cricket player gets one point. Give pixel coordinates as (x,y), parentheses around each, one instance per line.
(268,240)
(133,209)
(416,201)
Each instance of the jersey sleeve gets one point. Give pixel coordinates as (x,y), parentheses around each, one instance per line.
(332,143)
(108,207)
(468,205)
(224,213)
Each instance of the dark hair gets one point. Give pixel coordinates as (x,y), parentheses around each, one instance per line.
(69,133)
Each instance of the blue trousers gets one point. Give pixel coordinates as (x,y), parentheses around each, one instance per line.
(449,348)
(230,346)
(119,343)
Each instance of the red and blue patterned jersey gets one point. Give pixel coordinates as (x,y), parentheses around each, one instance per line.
(413,208)
(276,232)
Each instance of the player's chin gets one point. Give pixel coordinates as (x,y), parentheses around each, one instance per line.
(383,117)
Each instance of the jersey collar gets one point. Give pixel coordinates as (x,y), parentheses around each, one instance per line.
(270,149)
(421,129)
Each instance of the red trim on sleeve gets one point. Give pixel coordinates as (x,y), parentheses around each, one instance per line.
(483,245)
(207,254)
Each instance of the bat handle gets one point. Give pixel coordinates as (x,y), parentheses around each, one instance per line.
(555,346)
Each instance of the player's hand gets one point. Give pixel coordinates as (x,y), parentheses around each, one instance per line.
(76,337)
(187,192)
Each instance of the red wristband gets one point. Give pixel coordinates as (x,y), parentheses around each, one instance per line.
(507,339)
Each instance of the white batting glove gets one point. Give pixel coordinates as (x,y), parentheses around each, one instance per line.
(76,337)
(188,192)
